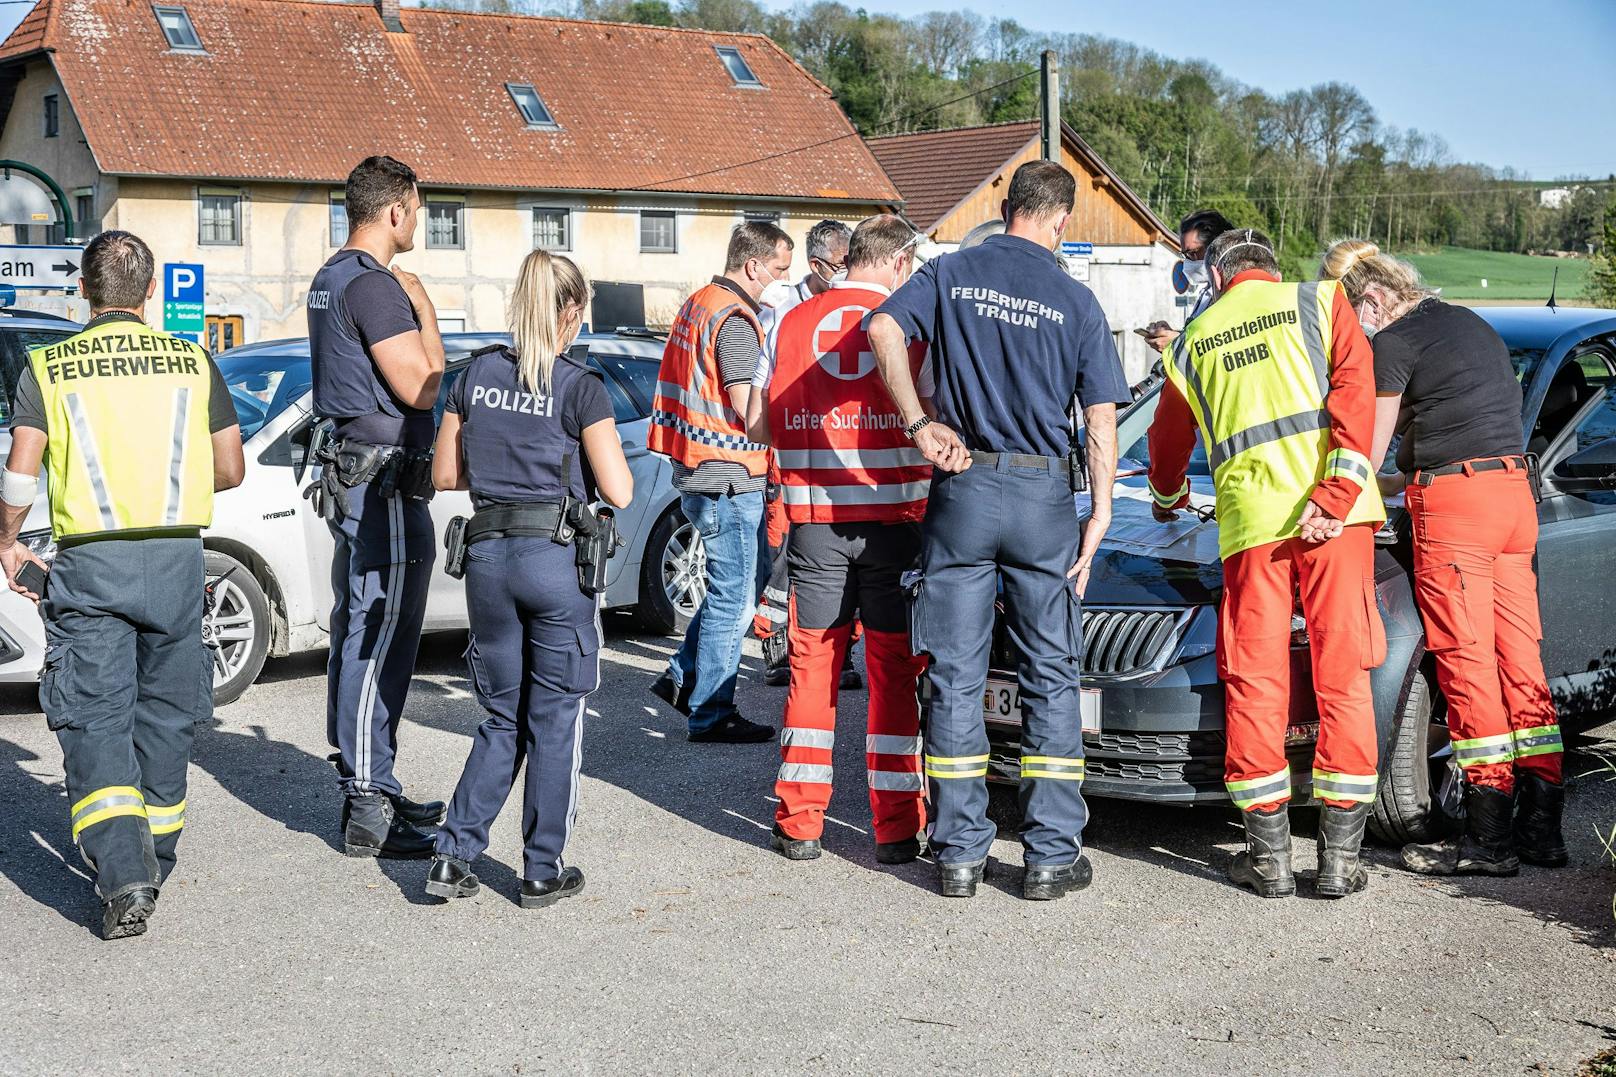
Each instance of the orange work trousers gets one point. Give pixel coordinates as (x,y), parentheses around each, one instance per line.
(891,742)
(1474,536)
(1335,580)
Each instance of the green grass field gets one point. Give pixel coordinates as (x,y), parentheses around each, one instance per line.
(1459,271)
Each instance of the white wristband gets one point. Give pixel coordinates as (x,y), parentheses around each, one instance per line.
(16,490)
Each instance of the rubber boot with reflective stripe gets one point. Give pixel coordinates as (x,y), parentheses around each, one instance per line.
(1341,831)
(1486,846)
(1539,804)
(1264,865)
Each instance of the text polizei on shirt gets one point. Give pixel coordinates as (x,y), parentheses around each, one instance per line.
(511,400)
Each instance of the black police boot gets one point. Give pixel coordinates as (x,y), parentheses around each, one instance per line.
(675,695)
(125,916)
(897,852)
(733,729)
(1539,804)
(541,895)
(777,676)
(1047,884)
(793,848)
(960,880)
(450,877)
(1264,865)
(1341,870)
(372,829)
(1486,845)
(418,813)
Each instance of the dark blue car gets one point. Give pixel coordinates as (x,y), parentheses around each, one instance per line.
(1153,704)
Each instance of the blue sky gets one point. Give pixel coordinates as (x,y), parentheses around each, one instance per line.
(1528,84)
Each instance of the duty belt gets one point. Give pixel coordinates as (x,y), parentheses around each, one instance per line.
(1053,464)
(1426,476)
(532,519)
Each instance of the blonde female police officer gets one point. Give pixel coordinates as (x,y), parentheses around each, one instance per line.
(527,429)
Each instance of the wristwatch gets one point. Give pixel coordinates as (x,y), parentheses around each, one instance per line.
(916,427)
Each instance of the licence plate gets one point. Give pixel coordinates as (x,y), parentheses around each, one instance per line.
(1001,702)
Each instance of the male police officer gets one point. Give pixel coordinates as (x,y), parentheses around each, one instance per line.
(137,431)
(377,362)
(1014,340)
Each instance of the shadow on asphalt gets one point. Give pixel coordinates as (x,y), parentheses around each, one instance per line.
(36,852)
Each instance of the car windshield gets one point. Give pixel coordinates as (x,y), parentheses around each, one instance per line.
(263,384)
(1525,361)
(1134,448)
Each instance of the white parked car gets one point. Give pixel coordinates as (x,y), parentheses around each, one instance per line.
(269,556)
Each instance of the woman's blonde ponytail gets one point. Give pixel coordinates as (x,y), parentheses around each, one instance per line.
(547,286)
(1358,264)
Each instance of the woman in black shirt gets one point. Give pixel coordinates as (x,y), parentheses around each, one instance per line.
(1444,383)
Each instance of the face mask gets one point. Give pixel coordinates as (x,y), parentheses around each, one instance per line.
(838,276)
(1370,326)
(1197,275)
(774,293)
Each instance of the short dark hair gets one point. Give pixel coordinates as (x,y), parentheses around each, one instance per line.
(878,238)
(1041,189)
(373,185)
(118,268)
(1239,249)
(823,235)
(1207,224)
(754,239)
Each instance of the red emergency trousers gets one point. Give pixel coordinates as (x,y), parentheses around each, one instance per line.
(1346,639)
(1474,537)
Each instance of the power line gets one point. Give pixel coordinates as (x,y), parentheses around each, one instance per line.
(903,121)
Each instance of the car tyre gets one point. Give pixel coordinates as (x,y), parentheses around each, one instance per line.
(672,566)
(1406,807)
(239,626)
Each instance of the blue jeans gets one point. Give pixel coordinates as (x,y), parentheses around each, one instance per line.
(1019,524)
(711,652)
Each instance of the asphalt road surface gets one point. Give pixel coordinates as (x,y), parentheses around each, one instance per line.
(696,949)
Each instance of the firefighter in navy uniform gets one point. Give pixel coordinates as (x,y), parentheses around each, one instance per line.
(377,363)
(137,431)
(530,432)
(1015,343)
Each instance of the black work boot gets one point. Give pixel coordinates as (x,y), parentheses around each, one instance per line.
(674,694)
(1539,804)
(1264,865)
(536,895)
(960,880)
(1486,845)
(125,916)
(897,852)
(450,877)
(1046,884)
(372,829)
(793,848)
(428,813)
(1341,871)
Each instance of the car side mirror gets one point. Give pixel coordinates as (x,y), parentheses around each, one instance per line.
(1594,468)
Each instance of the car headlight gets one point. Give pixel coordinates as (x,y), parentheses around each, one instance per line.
(42,544)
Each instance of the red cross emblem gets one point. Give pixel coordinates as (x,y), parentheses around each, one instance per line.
(842,345)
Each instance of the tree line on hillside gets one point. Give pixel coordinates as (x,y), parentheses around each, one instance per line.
(1306,166)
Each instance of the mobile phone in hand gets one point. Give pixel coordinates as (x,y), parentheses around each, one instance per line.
(30,577)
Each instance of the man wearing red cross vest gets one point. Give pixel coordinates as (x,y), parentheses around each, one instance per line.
(854,489)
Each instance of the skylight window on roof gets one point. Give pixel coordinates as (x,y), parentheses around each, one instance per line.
(176,24)
(530,105)
(736,66)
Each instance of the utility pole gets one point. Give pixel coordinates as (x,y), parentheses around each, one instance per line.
(1049,106)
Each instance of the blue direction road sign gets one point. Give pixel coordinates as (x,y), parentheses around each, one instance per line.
(182,298)
(40,267)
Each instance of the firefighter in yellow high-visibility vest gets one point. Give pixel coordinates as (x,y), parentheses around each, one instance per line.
(136,431)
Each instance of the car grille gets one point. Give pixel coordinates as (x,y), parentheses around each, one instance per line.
(1115,640)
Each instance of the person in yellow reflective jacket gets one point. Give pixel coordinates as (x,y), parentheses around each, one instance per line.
(136,430)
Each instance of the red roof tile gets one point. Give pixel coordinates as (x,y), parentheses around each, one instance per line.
(937,170)
(296,90)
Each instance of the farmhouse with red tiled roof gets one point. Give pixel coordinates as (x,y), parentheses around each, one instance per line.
(221,130)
